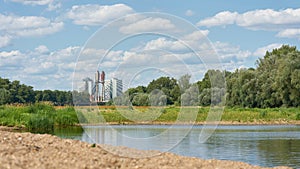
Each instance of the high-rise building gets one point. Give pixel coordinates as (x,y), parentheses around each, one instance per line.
(113,88)
(88,85)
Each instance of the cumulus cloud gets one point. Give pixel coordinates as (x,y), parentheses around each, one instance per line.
(52,4)
(222,18)
(196,35)
(39,67)
(260,52)
(182,44)
(97,14)
(266,19)
(189,13)
(22,26)
(164,44)
(289,33)
(148,25)
(229,52)
(12,53)
(34,2)
(4,40)
(41,49)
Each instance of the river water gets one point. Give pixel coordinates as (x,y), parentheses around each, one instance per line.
(269,146)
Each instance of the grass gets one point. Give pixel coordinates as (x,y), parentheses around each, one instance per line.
(39,117)
(171,114)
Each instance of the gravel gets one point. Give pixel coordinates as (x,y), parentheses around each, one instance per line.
(27,150)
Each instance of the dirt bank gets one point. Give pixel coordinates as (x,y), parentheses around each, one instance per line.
(26,150)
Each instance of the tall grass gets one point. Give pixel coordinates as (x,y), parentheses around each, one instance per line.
(171,113)
(43,118)
(39,117)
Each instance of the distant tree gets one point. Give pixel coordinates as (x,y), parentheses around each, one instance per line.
(140,99)
(4,96)
(184,82)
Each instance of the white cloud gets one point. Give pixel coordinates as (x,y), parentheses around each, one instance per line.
(164,44)
(148,25)
(22,26)
(197,35)
(52,4)
(229,52)
(289,33)
(4,40)
(10,54)
(34,2)
(189,13)
(193,40)
(97,14)
(266,19)
(222,18)
(41,49)
(39,67)
(262,50)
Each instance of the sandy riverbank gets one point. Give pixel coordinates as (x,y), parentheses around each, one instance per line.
(26,150)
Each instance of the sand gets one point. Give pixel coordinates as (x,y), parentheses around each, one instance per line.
(27,150)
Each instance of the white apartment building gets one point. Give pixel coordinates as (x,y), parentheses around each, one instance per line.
(113,88)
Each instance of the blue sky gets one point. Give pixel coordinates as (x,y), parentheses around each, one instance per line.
(40,40)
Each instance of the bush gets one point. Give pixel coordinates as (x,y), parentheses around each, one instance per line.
(298,116)
(41,107)
(40,124)
(263,114)
(66,117)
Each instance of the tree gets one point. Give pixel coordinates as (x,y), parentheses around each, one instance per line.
(184,82)
(4,96)
(140,99)
(166,85)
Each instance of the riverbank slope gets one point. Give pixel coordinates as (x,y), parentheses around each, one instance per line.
(27,150)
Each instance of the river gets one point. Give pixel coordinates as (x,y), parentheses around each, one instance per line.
(263,145)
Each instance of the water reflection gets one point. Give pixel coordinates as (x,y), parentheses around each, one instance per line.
(259,145)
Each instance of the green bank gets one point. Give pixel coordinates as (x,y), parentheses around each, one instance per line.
(171,114)
(39,117)
(43,118)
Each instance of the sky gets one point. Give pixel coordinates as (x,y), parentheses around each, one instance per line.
(50,44)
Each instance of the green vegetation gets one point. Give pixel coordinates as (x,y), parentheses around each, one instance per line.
(16,93)
(123,115)
(39,117)
(274,83)
(268,93)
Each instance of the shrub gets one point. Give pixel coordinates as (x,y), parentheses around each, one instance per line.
(40,124)
(66,117)
(263,114)
(41,108)
(298,116)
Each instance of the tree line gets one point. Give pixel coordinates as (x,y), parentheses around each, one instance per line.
(274,83)
(15,92)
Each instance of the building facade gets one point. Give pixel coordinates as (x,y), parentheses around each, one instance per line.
(113,88)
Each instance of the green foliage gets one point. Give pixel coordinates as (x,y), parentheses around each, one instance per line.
(66,117)
(40,123)
(298,116)
(39,117)
(274,83)
(38,107)
(263,114)
(14,92)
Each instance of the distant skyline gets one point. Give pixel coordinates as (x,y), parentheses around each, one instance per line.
(41,39)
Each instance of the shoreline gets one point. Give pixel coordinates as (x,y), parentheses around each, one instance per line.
(222,123)
(27,150)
